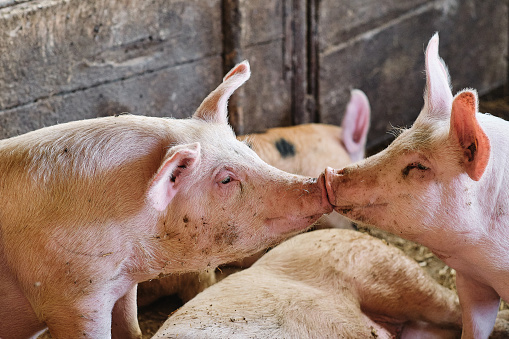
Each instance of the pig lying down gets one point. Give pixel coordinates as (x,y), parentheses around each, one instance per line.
(302,149)
(322,284)
(443,183)
(88,209)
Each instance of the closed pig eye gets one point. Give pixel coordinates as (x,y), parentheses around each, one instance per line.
(414,165)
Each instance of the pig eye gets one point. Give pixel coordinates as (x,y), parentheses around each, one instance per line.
(226,180)
(413,165)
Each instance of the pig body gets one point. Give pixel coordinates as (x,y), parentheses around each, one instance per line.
(328,284)
(91,208)
(444,183)
(307,149)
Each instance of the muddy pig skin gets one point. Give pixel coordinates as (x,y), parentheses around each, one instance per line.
(330,283)
(88,209)
(445,184)
(303,149)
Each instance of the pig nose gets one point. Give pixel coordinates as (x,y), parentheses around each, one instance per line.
(329,176)
(325,195)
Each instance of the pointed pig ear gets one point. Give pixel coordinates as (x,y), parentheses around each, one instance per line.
(214,107)
(472,139)
(171,175)
(438,95)
(355,125)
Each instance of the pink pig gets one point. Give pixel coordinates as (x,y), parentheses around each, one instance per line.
(323,284)
(442,183)
(91,208)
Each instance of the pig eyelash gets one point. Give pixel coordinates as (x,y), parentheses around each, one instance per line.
(413,165)
(226,180)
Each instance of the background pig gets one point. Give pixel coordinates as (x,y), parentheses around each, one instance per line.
(306,149)
(303,149)
(91,208)
(443,183)
(328,284)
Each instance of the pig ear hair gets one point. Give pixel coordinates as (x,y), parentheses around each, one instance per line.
(179,161)
(438,95)
(214,107)
(466,130)
(355,124)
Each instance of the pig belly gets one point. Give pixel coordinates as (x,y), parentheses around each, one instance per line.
(18,319)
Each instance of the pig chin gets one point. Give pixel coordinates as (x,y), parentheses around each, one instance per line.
(366,214)
(283,226)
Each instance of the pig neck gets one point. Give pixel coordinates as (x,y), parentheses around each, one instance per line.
(472,235)
(172,249)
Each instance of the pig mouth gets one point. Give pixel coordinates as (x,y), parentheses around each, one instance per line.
(344,209)
(365,214)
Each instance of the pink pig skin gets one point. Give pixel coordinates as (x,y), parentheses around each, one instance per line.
(443,183)
(91,208)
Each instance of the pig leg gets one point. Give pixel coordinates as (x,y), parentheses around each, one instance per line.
(479,305)
(397,288)
(124,316)
(80,322)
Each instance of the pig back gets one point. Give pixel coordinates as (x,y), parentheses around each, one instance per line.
(93,165)
(303,149)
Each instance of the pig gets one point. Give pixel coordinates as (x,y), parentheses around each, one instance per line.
(442,183)
(303,149)
(90,208)
(330,283)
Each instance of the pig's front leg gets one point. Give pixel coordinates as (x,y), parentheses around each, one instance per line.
(125,317)
(79,322)
(479,304)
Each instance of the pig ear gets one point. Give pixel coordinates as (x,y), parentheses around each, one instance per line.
(171,175)
(466,129)
(355,124)
(438,95)
(214,107)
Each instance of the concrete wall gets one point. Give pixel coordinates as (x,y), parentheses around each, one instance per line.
(62,60)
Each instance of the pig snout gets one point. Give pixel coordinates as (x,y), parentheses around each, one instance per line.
(333,179)
(310,203)
(325,202)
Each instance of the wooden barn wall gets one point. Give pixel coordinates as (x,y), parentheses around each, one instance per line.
(62,60)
